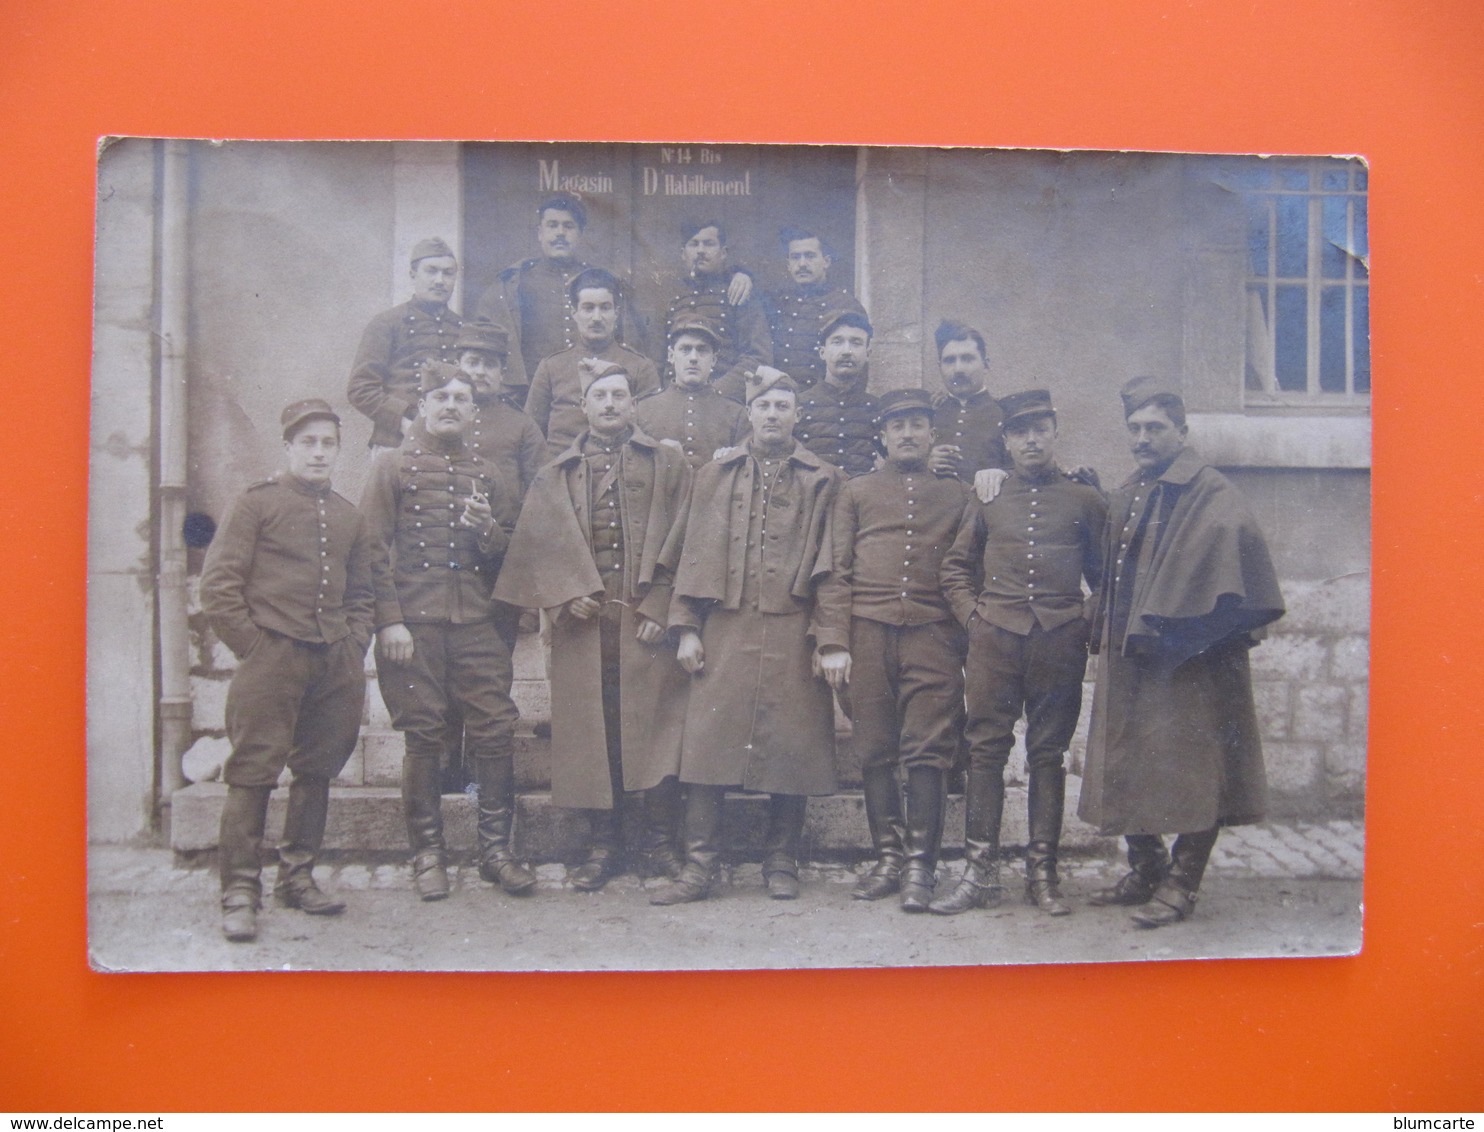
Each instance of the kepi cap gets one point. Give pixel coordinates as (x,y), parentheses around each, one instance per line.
(483,336)
(897,402)
(308,409)
(1141,390)
(695,324)
(1025,405)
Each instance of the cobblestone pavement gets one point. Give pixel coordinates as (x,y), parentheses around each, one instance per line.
(1332,850)
(1277,889)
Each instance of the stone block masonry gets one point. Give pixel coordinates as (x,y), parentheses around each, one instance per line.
(1310,683)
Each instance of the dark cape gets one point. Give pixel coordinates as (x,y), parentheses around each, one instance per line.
(1188,585)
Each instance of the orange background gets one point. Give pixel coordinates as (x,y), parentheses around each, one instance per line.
(1402,1026)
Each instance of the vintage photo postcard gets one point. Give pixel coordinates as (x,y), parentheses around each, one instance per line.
(611,556)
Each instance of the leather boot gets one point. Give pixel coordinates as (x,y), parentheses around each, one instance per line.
(422,804)
(661,813)
(1148,863)
(603,848)
(1174,900)
(888,833)
(239,849)
(303,834)
(1048,786)
(781,847)
(497,864)
(702,847)
(979,887)
(924,835)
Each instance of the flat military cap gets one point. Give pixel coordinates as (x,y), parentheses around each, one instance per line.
(845,318)
(595,369)
(898,402)
(1141,390)
(1026,405)
(311,408)
(435,375)
(695,324)
(483,336)
(430,247)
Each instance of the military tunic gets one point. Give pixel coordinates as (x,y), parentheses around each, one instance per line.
(796,316)
(973,423)
(509,440)
(1014,579)
(745,340)
(437,582)
(699,420)
(555,403)
(384,379)
(839,424)
(756,547)
(287,586)
(1174,745)
(530,301)
(890,529)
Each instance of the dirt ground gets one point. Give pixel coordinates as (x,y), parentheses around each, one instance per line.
(146,913)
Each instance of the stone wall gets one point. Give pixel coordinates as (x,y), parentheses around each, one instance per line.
(1310,681)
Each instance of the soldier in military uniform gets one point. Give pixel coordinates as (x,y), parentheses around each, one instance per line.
(762,652)
(837,417)
(442,517)
(555,403)
(890,530)
(502,432)
(384,378)
(1014,579)
(968,419)
(529,299)
(595,548)
(709,290)
(797,313)
(691,413)
(288,588)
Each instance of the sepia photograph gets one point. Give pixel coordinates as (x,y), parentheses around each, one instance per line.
(584,556)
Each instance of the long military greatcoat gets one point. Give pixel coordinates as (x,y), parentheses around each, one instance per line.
(550,562)
(758,716)
(1188,585)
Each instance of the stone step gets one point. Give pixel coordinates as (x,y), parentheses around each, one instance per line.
(368,819)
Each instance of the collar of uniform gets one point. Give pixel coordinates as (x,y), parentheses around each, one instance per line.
(1183,467)
(976,398)
(1181,470)
(289,480)
(592,443)
(444,446)
(1050,474)
(800,455)
(636,439)
(428,308)
(813,290)
(842,393)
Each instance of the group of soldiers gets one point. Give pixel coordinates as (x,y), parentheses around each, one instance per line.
(725,540)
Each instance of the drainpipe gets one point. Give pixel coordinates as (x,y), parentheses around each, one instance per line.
(171,424)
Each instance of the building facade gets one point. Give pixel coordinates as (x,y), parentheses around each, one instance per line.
(234,277)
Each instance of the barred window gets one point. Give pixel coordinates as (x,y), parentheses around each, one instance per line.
(1308,282)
